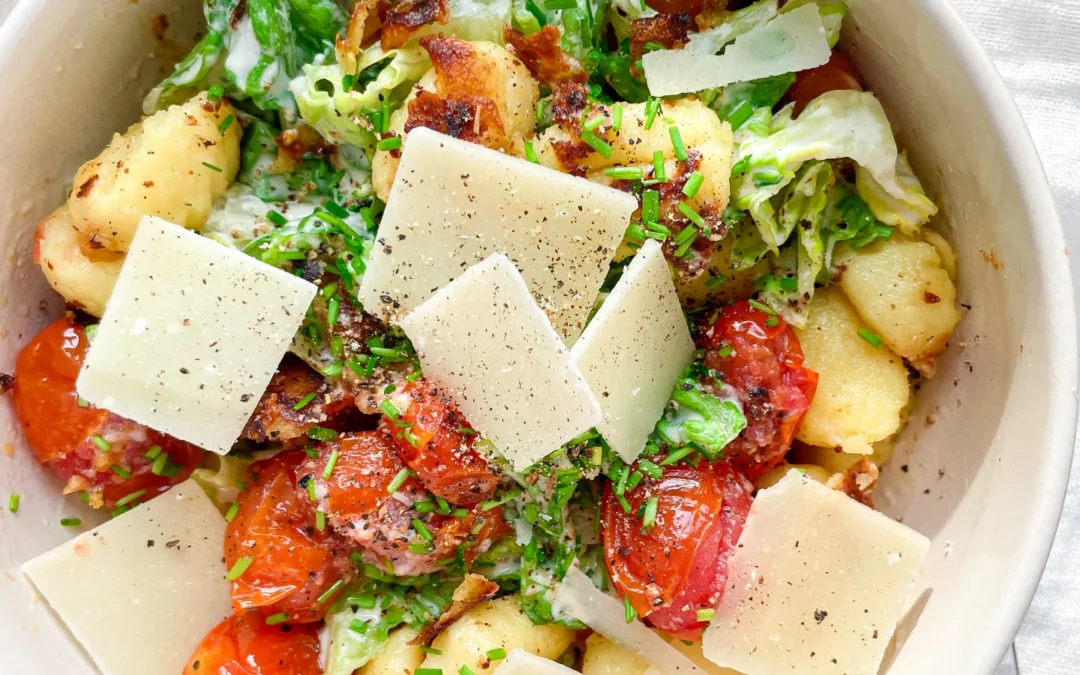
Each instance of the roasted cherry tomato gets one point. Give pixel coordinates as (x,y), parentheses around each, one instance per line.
(244,645)
(290,562)
(758,356)
(679,565)
(837,74)
(436,442)
(90,449)
(692,7)
(368,497)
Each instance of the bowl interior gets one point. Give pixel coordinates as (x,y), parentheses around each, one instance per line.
(981,467)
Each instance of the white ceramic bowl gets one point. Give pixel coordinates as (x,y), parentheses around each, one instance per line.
(988,448)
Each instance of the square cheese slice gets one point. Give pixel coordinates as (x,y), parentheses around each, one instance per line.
(489,346)
(454,203)
(634,350)
(816,585)
(191,336)
(141,591)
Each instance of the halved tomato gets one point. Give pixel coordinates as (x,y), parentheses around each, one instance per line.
(679,565)
(244,644)
(436,442)
(91,449)
(759,357)
(288,563)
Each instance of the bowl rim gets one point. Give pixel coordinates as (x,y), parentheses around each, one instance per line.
(1053,271)
(1048,239)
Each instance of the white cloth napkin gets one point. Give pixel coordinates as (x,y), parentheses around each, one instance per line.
(1034,44)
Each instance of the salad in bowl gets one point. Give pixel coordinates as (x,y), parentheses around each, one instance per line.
(462,336)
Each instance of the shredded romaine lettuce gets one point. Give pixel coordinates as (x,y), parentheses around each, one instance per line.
(622,12)
(737,23)
(907,208)
(737,103)
(701,419)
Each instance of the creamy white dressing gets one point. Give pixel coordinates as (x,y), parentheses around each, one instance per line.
(244,51)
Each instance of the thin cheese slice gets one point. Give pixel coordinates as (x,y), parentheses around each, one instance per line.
(816,586)
(191,336)
(634,349)
(789,43)
(578,598)
(521,662)
(455,203)
(141,591)
(486,342)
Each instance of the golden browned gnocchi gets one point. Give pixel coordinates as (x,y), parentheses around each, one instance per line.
(604,657)
(397,657)
(496,624)
(861,390)
(903,293)
(773,475)
(501,79)
(82,275)
(174,164)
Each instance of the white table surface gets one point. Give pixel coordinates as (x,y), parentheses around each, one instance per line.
(1036,48)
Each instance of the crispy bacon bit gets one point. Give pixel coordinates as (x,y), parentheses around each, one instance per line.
(666,30)
(543,55)
(276,419)
(85,188)
(473,590)
(238,14)
(349,44)
(455,109)
(401,19)
(569,100)
(301,141)
(857,481)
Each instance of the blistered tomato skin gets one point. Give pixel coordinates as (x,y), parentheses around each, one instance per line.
(90,449)
(837,74)
(292,562)
(362,501)
(758,358)
(244,645)
(679,565)
(436,442)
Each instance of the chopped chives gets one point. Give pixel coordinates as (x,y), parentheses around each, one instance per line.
(225,124)
(120,511)
(320,520)
(398,481)
(430,650)
(465,670)
(339,211)
(624,173)
(650,206)
(411,438)
(420,548)
(384,116)
(121,471)
(761,306)
(428,671)
(444,506)
(466,431)
(541,107)
(634,479)
(422,529)
(496,654)
(706,615)
(129,498)
(595,122)
(693,184)
(239,567)
(677,143)
(70,522)
(658,166)
(13,503)
(871,338)
(82,402)
(311,489)
(652,107)
(330,592)
(772,322)
(332,369)
(101,443)
(231,513)
(659,229)
(333,308)
(688,234)
(423,506)
(210,166)
(276,218)
(598,144)
(160,462)
(767,178)
(215,93)
(693,215)
(275,619)
(311,452)
(302,403)
(391,143)
(358,626)
(331,463)
(387,352)
(461,513)
(616,117)
(153,452)
(650,469)
(676,456)
(623,503)
(389,409)
(628,608)
(361,601)
(559,4)
(321,433)
(715,281)
(649,519)
(530,153)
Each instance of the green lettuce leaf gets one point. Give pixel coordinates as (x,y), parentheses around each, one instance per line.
(737,23)
(622,12)
(909,210)
(832,15)
(701,419)
(737,102)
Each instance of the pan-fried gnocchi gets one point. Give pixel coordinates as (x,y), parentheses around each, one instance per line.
(495,624)
(904,294)
(174,164)
(861,389)
(83,275)
(604,657)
